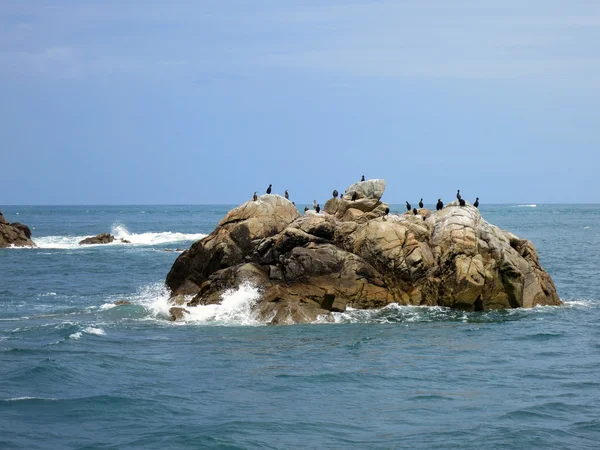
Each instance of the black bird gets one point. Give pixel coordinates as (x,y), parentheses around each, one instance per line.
(318,209)
(269,189)
(439,205)
(476,204)
(387,211)
(461,202)
(335,193)
(415,212)
(306,208)
(458,195)
(363,178)
(408,207)
(287,195)
(354,196)
(421,203)
(255,197)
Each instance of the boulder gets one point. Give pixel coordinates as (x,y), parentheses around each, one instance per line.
(14,234)
(309,266)
(102,238)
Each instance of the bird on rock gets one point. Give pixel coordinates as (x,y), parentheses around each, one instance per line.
(287,195)
(458,195)
(408,207)
(461,202)
(439,205)
(314,204)
(318,209)
(415,212)
(306,208)
(476,204)
(335,193)
(255,197)
(421,203)
(269,189)
(363,178)
(387,211)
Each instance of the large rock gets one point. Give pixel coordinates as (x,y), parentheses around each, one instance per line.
(308,266)
(14,234)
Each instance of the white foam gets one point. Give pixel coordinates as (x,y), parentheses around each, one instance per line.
(526,206)
(236,307)
(76,336)
(17,399)
(120,232)
(94,331)
(106,306)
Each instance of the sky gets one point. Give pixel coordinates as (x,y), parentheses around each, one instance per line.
(205,102)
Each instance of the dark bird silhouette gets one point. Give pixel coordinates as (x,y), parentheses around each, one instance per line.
(421,203)
(363,178)
(287,195)
(255,197)
(408,207)
(458,195)
(306,208)
(461,202)
(476,204)
(354,196)
(387,211)
(335,193)
(439,205)
(269,189)
(318,209)
(415,212)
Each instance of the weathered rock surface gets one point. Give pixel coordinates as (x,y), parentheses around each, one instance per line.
(308,266)
(14,234)
(102,238)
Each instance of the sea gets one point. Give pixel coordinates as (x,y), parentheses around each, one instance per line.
(78,371)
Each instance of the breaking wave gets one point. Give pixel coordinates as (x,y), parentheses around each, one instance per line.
(120,232)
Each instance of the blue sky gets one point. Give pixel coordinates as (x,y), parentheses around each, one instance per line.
(137,102)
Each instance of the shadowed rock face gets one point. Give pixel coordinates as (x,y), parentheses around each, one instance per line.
(14,234)
(307,266)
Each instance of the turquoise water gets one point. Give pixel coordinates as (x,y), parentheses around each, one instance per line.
(77,371)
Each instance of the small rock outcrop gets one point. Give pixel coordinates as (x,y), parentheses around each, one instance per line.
(353,254)
(14,234)
(102,238)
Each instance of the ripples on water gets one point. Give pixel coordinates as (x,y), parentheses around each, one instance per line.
(79,372)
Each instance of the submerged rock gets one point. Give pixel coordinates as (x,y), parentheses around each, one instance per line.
(14,234)
(309,266)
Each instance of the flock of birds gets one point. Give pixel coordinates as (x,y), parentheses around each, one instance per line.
(439,205)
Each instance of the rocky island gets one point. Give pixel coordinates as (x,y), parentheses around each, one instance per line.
(355,254)
(14,234)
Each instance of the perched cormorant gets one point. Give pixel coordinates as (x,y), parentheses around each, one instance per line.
(476,204)
(439,205)
(354,196)
(458,195)
(287,195)
(415,212)
(269,189)
(335,193)
(408,207)
(255,197)
(306,208)
(318,209)
(421,203)
(315,204)
(363,178)
(387,211)
(461,202)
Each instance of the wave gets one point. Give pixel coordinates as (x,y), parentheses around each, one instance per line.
(525,206)
(120,232)
(235,309)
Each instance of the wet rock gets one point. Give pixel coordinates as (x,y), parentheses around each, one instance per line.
(15,234)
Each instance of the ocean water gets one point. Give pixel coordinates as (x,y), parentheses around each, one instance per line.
(76,371)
